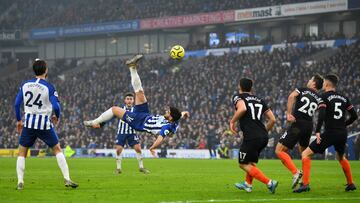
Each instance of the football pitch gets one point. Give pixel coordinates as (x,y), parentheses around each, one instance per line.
(170,180)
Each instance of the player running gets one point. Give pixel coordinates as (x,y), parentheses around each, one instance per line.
(306,102)
(332,111)
(141,119)
(126,134)
(249,112)
(41,99)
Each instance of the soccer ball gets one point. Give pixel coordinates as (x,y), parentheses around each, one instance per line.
(177,52)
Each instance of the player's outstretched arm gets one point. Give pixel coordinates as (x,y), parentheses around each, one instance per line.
(240,111)
(290,105)
(270,120)
(157,143)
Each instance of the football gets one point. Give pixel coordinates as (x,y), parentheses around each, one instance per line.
(177,52)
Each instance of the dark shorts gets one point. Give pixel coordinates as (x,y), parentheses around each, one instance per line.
(28,137)
(130,139)
(329,138)
(136,119)
(299,131)
(250,150)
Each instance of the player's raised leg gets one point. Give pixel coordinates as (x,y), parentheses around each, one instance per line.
(20,166)
(106,116)
(135,79)
(345,165)
(115,110)
(63,166)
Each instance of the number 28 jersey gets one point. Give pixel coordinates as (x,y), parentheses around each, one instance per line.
(251,123)
(306,104)
(38,97)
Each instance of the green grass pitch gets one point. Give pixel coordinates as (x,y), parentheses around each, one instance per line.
(170,180)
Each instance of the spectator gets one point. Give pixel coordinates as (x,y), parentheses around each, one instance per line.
(92,147)
(202,144)
(211,140)
(223,151)
(356,147)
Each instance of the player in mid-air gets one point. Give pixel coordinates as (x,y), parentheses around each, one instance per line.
(249,111)
(125,134)
(332,111)
(40,99)
(141,119)
(301,106)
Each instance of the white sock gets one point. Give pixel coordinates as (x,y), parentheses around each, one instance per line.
(63,165)
(139,158)
(135,80)
(104,117)
(118,161)
(20,168)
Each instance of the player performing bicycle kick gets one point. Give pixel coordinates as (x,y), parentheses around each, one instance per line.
(141,119)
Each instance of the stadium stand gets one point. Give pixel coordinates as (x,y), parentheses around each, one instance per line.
(203,86)
(47,13)
(199,45)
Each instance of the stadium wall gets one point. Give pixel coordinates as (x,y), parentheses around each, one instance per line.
(169,153)
(268,48)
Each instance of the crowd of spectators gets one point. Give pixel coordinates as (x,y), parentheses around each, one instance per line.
(4,61)
(47,13)
(251,41)
(202,86)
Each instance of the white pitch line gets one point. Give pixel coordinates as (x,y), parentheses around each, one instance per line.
(265,200)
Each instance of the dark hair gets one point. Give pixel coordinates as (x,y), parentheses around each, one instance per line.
(246,84)
(334,79)
(129,94)
(318,81)
(175,113)
(39,67)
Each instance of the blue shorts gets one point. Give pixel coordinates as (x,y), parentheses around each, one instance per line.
(28,137)
(130,139)
(136,119)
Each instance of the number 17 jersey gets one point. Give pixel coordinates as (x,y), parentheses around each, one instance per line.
(251,123)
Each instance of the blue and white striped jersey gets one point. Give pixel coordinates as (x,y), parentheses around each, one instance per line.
(124,128)
(40,99)
(158,124)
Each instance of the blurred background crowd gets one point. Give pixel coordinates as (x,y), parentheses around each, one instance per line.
(203,86)
(48,13)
